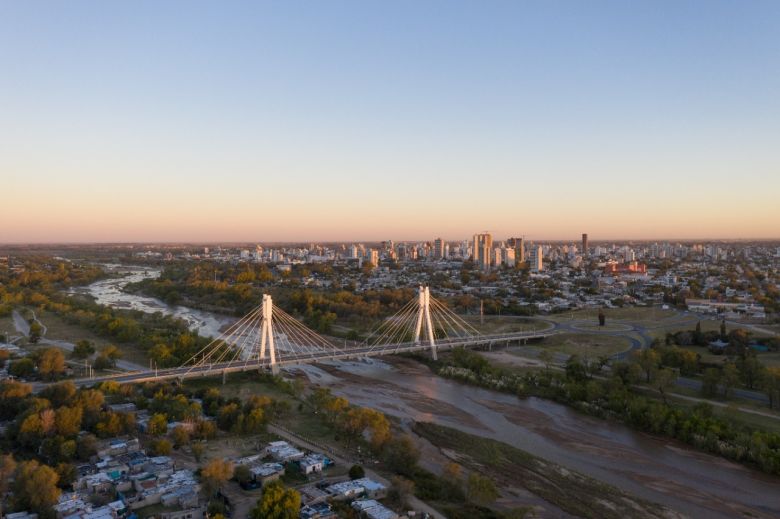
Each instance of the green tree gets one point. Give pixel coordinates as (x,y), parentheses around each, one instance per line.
(648,359)
(82,349)
(22,368)
(277,502)
(356,472)
(401,455)
(710,382)
(730,378)
(662,380)
(242,474)
(35,332)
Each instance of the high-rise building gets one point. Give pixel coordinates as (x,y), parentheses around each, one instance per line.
(373,257)
(438,248)
(483,245)
(519,245)
(536,259)
(584,244)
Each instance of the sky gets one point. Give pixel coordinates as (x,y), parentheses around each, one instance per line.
(405,120)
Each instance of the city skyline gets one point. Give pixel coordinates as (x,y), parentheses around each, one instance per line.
(270,123)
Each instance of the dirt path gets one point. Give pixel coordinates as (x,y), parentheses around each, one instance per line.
(413,501)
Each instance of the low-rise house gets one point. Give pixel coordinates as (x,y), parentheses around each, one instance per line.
(312,463)
(267,472)
(282,451)
(356,488)
(371,509)
(317,511)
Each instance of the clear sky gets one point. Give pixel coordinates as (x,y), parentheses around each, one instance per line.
(335,120)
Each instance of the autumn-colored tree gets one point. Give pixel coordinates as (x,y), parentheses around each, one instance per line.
(214,474)
(158,425)
(180,435)
(68,420)
(35,487)
(161,447)
(278,502)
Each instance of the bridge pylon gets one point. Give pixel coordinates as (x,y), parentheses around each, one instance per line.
(424,319)
(267,333)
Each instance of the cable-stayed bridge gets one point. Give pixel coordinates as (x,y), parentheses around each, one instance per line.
(270,338)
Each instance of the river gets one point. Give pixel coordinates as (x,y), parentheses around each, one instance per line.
(663,471)
(110,292)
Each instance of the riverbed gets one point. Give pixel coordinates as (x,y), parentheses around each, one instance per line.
(660,470)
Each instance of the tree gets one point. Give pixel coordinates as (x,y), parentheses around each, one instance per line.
(68,420)
(35,487)
(481,490)
(277,502)
(401,455)
(214,474)
(242,474)
(452,472)
(662,379)
(22,368)
(547,357)
(723,330)
(197,450)
(356,472)
(158,425)
(51,364)
(161,447)
(710,382)
(82,349)
(181,436)
(648,359)
(7,469)
(730,378)
(771,386)
(35,332)
(751,370)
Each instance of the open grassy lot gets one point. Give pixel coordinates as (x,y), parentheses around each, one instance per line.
(585,345)
(59,330)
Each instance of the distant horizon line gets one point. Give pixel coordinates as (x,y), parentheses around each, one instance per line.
(271,242)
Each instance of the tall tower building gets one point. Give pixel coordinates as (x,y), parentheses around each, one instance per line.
(536,259)
(519,244)
(584,244)
(483,245)
(438,248)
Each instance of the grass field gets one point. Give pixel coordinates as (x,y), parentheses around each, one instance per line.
(585,345)
(58,329)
